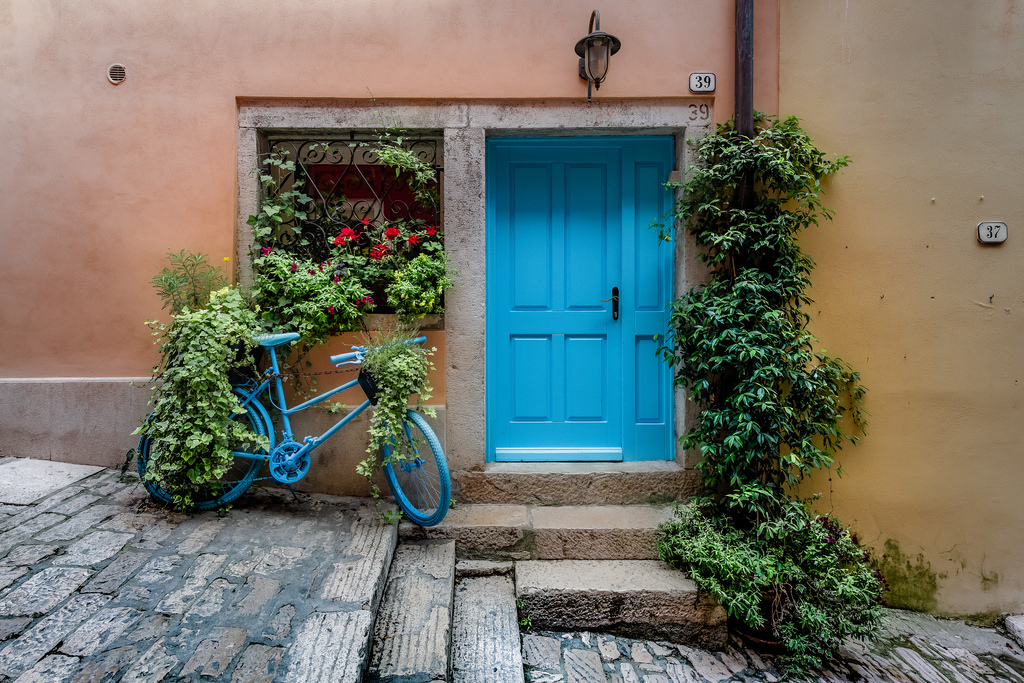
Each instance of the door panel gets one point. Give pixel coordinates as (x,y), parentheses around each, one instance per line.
(568,221)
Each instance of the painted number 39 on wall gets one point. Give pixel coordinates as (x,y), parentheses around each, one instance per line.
(991,232)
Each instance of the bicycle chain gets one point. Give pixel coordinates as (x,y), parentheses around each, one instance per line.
(290,375)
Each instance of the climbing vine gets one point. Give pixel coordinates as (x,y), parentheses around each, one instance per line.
(773,408)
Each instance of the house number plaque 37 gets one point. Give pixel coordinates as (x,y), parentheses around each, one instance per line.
(991,232)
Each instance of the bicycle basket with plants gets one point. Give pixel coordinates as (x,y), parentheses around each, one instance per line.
(394,369)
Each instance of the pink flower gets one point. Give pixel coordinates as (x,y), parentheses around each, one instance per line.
(266,251)
(330,309)
(337,279)
(294,266)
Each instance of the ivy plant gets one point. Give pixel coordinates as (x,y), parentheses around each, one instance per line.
(191,427)
(773,408)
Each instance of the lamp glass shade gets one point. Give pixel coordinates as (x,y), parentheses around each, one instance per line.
(598,52)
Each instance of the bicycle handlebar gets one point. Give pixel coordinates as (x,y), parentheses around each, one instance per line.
(356,355)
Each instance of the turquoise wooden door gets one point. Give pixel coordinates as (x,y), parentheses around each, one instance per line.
(571,372)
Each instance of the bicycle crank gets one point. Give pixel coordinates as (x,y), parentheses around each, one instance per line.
(287,463)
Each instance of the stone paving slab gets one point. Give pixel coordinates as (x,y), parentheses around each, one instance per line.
(24,481)
(99,584)
(911,648)
(412,632)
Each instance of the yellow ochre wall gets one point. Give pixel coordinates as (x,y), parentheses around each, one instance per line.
(925,97)
(100,182)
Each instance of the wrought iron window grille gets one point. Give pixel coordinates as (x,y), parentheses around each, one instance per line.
(350,187)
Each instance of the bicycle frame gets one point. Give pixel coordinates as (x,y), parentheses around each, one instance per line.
(309,442)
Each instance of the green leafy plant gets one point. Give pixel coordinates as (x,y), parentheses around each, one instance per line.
(398,369)
(191,428)
(188,281)
(418,285)
(315,300)
(772,408)
(809,584)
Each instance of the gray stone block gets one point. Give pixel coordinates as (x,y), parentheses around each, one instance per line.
(485,639)
(413,625)
(638,598)
(330,647)
(42,591)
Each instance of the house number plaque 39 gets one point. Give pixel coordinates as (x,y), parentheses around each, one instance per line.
(702,82)
(991,232)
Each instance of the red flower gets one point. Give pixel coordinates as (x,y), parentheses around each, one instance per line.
(413,239)
(366,221)
(345,235)
(378,252)
(392,233)
(431,230)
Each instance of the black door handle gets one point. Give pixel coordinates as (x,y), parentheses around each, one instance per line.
(615,303)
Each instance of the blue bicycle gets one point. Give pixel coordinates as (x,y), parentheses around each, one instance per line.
(420,483)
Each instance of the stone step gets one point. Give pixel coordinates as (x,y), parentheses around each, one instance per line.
(570,483)
(536,532)
(485,639)
(634,598)
(412,631)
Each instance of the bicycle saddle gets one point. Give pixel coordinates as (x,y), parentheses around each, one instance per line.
(269,341)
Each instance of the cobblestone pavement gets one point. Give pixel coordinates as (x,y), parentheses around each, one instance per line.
(98,584)
(913,648)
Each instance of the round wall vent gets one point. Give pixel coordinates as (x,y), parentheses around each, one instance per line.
(116,73)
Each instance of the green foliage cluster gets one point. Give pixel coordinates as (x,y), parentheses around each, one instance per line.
(191,426)
(808,585)
(399,370)
(187,281)
(772,408)
(316,300)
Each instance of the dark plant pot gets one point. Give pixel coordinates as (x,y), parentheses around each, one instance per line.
(369,385)
(762,640)
(246,358)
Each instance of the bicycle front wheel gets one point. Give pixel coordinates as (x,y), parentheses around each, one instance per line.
(239,476)
(421,485)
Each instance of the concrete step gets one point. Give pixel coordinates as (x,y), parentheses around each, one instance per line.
(634,598)
(412,631)
(536,532)
(555,483)
(485,639)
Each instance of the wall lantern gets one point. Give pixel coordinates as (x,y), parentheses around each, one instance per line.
(595,51)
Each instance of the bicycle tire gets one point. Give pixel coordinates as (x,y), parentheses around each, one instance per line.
(235,481)
(422,487)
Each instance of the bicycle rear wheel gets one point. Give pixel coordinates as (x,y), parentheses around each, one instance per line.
(239,476)
(421,485)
